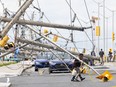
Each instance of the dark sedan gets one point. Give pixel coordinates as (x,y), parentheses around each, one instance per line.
(58,65)
(41,63)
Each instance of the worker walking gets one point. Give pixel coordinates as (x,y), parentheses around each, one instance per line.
(77,64)
(101,54)
(110,56)
(92,60)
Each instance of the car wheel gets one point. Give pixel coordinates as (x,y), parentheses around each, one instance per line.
(50,71)
(36,69)
(70,71)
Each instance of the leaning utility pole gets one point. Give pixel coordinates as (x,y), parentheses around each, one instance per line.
(16,17)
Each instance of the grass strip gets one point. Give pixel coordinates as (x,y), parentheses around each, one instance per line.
(8,63)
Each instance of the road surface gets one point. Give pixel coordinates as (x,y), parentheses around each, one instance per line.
(30,78)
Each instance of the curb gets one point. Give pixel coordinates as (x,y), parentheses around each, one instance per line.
(5,84)
(24,70)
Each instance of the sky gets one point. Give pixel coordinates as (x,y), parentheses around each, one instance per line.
(58,12)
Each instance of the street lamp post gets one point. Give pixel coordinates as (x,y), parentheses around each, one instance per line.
(106,36)
(112,30)
(99,5)
(98,23)
(106,30)
(112,26)
(104,24)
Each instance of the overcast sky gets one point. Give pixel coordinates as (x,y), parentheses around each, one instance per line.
(58,11)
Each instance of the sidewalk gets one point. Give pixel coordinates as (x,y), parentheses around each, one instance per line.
(5,84)
(110,66)
(13,70)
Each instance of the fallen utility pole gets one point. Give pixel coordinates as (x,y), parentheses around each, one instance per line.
(16,17)
(61,37)
(26,56)
(27,53)
(12,50)
(60,58)
(64,50)
(51,47)
(37,43)
(22,51)
(37,23)
(35,49)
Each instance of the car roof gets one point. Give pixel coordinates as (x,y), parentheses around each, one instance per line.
(41,60)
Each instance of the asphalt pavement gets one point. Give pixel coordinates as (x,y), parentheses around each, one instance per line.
(12,70)
(30,78)
(12,74)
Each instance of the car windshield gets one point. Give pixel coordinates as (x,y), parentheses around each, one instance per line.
(42,57)
(63,56)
